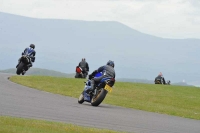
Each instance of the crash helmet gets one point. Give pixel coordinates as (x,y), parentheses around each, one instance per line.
(32,46)
(111,63)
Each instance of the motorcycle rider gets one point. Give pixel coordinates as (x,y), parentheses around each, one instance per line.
(84,66)
(160,79)
(31,53)
(107,71)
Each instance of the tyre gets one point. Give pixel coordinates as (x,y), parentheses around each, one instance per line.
(96,100)
(78,75)
(20,68)
(81,99)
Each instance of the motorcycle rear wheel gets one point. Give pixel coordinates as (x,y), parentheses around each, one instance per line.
(96,100)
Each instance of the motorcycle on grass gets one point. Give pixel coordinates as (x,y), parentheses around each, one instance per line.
(99,93)
(80,73)
(161,82)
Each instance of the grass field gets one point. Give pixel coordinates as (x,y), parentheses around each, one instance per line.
(19,125)
(166,99)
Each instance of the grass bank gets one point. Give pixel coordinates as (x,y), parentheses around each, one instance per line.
(19,125)
(166,99)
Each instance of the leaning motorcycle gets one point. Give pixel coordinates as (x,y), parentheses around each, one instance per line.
(101,89)
(80,73)
(24,61)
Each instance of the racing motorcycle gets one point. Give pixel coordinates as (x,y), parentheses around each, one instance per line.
(80,73)
(101,89)
(161,82)
(23,65)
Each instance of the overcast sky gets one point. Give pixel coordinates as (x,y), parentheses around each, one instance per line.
(163,18)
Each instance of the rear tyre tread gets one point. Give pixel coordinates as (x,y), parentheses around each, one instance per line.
(81,99)
(100,97)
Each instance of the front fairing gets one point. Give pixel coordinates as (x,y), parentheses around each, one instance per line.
(25,59)
(87,97)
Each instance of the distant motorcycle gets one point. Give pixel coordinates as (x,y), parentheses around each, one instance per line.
(168,82)
(24,61)
(80,73)
(99,93)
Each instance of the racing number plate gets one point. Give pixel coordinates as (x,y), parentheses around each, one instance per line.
(108,88)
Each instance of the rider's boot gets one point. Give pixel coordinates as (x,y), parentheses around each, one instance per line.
(92,87)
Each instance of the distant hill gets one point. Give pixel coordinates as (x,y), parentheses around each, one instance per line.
(60,45)
(182,84)
(39,71)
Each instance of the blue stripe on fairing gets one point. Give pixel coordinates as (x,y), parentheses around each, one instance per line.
(98,74)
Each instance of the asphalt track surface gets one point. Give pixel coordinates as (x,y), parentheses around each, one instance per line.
(21,101)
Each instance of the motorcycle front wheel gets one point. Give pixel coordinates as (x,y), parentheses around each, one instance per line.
(20,68)
(78,75)
(81,99)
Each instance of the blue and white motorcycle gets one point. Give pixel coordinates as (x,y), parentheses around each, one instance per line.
(99,93)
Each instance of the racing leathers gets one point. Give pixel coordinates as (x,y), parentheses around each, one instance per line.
(107,71)
(31,53)
(84,66)
(160,80)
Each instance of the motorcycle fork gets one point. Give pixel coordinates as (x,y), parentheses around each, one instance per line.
(95,92)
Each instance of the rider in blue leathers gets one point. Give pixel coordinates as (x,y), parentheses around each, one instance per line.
(31,52)
(107,71)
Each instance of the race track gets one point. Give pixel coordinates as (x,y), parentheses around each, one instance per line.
(20,101)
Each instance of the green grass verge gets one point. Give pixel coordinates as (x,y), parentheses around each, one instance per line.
(21,125)
(166,99)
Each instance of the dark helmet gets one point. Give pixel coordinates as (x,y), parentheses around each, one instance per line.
(111,63)
(83,59)
(32,46)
